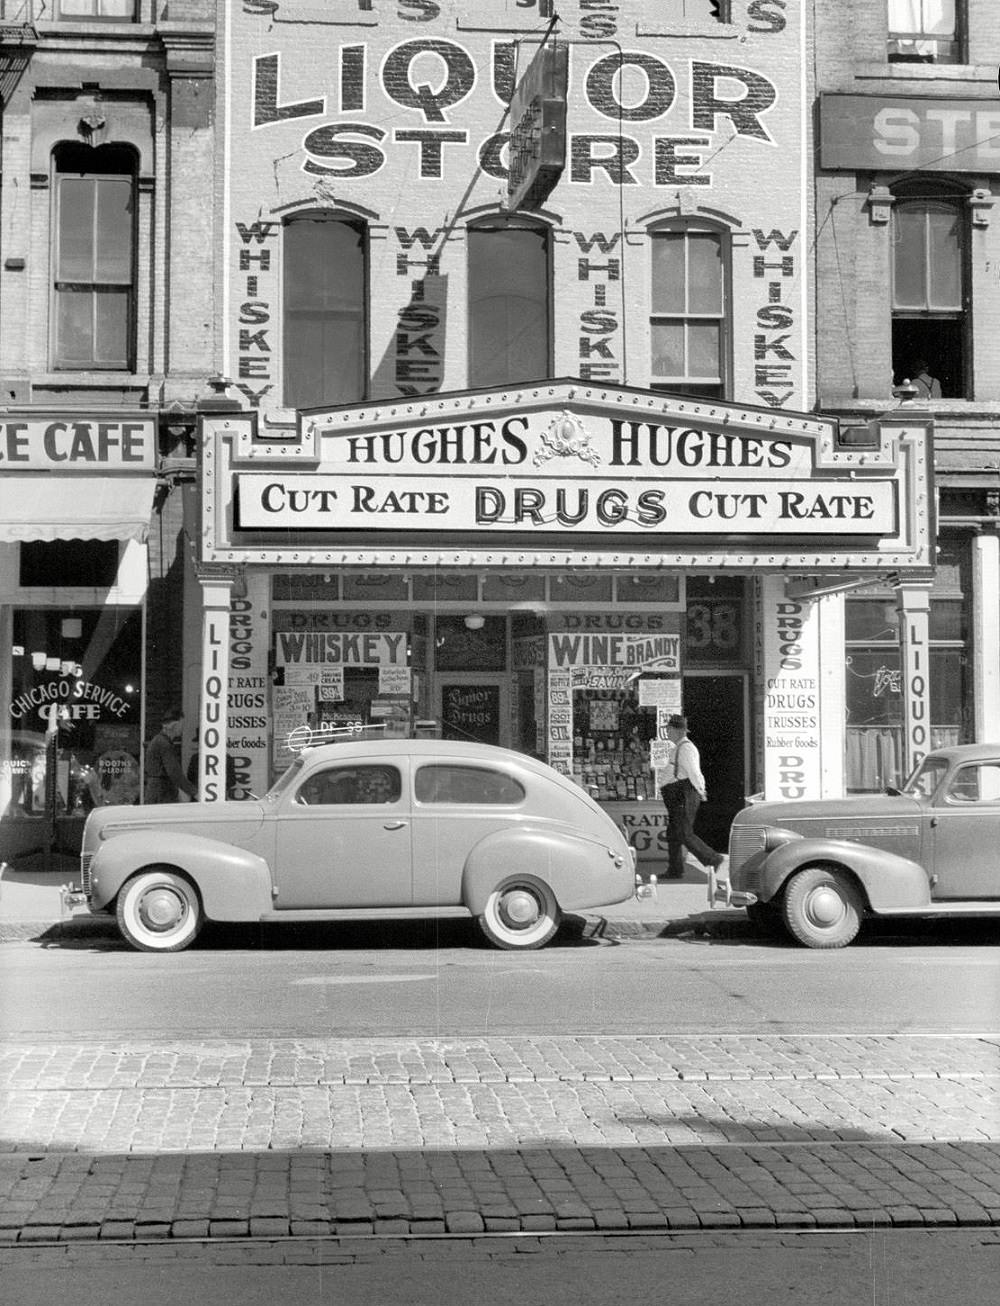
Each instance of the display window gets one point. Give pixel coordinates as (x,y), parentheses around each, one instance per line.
(73,738)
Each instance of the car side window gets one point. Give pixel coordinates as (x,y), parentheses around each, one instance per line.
(441,782)
(977,783)
(340,785)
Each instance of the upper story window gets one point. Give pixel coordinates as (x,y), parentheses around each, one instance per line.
(325,266)
(924,31)
(96,11)
(929,319)
(93,284)
(689,322)
(509,302)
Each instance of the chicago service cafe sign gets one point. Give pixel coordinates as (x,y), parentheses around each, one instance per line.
(567,467)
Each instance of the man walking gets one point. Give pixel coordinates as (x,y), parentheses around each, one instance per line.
(682,796)
(164,774)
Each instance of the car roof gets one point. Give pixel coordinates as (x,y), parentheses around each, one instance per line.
(387,749)
(966,753)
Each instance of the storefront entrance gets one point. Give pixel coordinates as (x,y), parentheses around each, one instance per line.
(716,708)
(473,706)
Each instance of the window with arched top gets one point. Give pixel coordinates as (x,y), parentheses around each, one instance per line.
(325,320)
(509,302)
(689,325)
(929,291)
(93,263)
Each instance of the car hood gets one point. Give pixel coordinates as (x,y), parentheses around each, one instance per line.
(191,816)
(814,813)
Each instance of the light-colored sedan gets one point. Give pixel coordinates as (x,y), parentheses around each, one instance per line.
(362,830)
(819,867)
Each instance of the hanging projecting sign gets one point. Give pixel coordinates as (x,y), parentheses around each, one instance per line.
(537,149)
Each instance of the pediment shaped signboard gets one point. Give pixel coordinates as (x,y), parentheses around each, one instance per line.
(565,472)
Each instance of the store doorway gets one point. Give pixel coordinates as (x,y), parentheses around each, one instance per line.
(473,707)
(716,708)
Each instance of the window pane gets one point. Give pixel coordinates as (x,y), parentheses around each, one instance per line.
(325,313)
(74,327)
(76,229)
(909,282)
(703,349)
(668,348)
(945,258)
(113,255)
(668,273)
(111,327)
(705,273)
(508,305)
(466,784)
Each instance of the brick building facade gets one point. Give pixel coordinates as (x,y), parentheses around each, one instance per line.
(107,332)
(907,244)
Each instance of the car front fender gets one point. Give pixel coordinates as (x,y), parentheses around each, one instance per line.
(888,881)
(582,873)
(235,885)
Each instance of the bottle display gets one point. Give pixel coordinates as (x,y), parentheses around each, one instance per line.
(611,735)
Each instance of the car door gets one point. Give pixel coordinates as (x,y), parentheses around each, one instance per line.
(456,805)
(965,827)
(343,839)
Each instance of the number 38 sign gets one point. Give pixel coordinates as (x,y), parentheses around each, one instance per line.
(714,630)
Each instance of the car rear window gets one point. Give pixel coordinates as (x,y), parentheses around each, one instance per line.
(448,783)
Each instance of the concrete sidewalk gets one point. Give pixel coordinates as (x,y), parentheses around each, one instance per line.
(241,1138)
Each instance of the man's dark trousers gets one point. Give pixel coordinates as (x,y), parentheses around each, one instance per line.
(682,803)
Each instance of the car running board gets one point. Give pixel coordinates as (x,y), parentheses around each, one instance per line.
(366,914)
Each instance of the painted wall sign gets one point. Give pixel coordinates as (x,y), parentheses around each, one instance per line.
(341,109)
(293,649)
(906,133)
(791,693)
(76,444)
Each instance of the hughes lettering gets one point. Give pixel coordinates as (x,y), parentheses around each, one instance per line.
(638,444)
(477,443)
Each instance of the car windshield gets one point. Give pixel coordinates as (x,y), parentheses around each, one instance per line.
(285,779)
(926,778)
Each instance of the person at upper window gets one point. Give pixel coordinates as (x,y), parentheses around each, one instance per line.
(928,386)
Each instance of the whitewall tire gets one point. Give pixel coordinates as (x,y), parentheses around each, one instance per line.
(159,910)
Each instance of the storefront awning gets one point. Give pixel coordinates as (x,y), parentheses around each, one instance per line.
(47,507)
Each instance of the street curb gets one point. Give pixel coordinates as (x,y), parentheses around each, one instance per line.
(707,924)
(472,1223)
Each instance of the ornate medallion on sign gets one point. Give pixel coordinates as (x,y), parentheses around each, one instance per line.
(566,437)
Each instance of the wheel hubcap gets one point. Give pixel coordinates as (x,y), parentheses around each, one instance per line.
(162,909)
(519,909)
(825,907)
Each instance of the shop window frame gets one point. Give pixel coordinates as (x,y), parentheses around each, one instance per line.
(356,313)
(96,12)
(480,347)
(690,317)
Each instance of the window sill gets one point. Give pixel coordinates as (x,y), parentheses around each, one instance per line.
(926,72)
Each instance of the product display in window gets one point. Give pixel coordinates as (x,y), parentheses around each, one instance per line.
(611,735)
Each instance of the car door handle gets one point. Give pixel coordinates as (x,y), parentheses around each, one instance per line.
(394,825)
(934,822)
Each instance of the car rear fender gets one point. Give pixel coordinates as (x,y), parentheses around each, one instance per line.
(581,872)
(235,885)
(887,880)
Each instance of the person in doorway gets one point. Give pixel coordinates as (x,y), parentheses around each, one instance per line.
(192,768)
(682,795)
(165,778)
(928,386)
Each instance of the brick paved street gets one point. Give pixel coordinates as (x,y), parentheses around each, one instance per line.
(229,1138)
